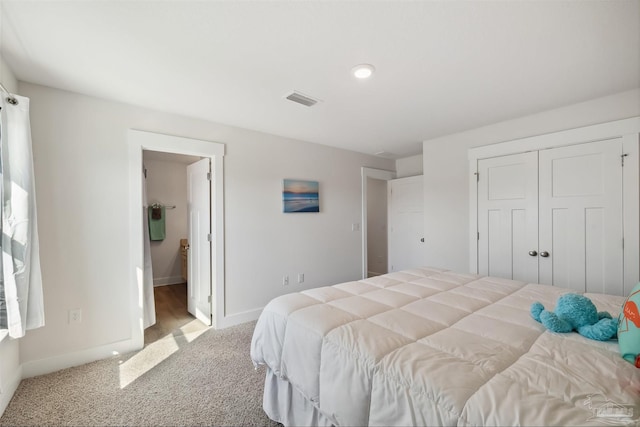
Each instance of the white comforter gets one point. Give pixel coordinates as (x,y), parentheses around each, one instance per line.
(432,347)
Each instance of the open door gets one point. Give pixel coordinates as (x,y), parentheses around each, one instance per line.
(199,255)
(406,223)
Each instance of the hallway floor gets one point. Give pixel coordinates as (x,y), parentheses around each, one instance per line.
(172,316)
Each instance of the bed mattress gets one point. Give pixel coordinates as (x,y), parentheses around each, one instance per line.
(432,347)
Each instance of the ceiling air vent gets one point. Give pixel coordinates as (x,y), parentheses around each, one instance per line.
(302,99)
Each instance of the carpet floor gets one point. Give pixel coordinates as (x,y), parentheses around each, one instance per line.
(184,379)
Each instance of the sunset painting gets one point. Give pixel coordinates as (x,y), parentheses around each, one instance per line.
(300,196)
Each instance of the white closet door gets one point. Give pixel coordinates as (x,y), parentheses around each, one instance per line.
(508,217)
(581,217)
(406,223)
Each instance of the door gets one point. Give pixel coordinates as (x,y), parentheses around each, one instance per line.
(406,223)
(581,231)
(199,256)
(508,217)
(554,217)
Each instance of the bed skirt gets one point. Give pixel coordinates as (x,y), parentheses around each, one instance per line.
(286,405)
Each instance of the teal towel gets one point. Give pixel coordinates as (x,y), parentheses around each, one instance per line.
(156,225)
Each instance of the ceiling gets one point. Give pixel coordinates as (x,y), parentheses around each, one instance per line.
(441,66)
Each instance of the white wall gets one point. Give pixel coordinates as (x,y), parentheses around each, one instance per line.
(10,371)
(409,166)
(446,184)
(7,77)
(80,150)
(263,244)
(167,185)
(377,247)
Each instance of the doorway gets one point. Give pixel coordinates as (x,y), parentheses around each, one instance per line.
(367,175)
(166,192)
(140,141)
(377,224)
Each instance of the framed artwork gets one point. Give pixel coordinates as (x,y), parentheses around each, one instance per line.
(300,196)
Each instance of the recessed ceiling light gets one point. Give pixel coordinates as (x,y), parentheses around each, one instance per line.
(363,71)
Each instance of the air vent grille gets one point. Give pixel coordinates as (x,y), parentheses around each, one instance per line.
(302,99)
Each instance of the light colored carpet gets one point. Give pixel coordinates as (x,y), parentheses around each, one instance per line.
(185,379)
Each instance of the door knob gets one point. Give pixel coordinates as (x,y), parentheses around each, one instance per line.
(422,240)
(544,254)
(533,253)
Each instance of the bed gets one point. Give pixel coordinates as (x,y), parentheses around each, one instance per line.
(433,347)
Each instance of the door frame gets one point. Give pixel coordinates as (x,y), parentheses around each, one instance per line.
(381,174)
(140,141)
(628,130)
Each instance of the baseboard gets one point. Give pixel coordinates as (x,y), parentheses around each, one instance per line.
(239,318)
(69,360)
(173,280)
(9,388)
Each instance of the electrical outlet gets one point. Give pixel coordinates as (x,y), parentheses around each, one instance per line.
(301,278)
(285,280)
(355,226)
(75,315)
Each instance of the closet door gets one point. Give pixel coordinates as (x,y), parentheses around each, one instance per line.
(406,223)
(508,217)
(580,214)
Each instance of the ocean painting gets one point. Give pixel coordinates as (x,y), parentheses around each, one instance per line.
(300,196)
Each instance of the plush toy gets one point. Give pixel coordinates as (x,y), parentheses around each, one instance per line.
(576,312)
(629,328)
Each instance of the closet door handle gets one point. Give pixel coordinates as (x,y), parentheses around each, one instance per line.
(533,253)
(544,254)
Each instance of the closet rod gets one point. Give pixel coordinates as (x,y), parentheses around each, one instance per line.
(10,99)
(159,205)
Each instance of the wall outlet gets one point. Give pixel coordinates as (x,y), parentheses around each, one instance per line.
(75,315)
(355,226)
(301,278)
(285,280)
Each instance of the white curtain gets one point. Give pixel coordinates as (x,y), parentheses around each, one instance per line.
(149,303)
(21,301)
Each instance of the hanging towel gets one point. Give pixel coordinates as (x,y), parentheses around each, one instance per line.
(156,226)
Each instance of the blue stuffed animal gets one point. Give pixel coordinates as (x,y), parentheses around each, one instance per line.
(576,312)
